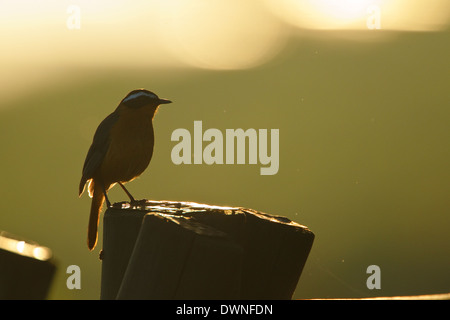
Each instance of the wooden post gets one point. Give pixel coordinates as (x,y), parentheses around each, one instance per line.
(120,230)
(26,269)
(186,250)
(181,259)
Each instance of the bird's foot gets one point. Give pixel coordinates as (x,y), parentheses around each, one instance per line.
(138,203)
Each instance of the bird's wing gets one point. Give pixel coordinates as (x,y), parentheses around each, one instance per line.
(98,149)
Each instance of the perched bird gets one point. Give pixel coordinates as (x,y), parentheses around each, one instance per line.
(121,150)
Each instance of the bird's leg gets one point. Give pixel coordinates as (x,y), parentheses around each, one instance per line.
(132,200)
(106,197)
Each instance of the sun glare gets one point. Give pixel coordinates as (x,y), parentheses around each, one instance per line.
(346,10)
(408,15)
(213,34)
(219,34)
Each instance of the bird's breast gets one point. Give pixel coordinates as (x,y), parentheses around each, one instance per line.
(130,149)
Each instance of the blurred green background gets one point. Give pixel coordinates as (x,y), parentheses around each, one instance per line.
(364,120)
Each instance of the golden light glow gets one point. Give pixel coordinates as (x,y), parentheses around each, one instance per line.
(211,34)
(342,9)
(24,248)
(44,39)
(217,34)
(416,15)
(20,246)
(409,15)
(41,253)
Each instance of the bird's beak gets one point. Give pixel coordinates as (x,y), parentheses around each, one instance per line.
(164,101)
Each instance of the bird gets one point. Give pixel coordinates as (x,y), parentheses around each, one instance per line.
(121,150)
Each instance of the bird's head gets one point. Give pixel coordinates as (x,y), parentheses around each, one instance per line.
(141,98)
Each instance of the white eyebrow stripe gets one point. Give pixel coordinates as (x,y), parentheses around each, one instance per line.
(138,94)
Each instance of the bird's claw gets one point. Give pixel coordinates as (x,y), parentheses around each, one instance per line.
(138,203)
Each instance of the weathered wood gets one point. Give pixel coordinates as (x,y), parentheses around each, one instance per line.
(177,258)
(120,230)
(26,269)
(185,250)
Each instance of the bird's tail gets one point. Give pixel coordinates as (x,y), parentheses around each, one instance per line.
(96,206)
